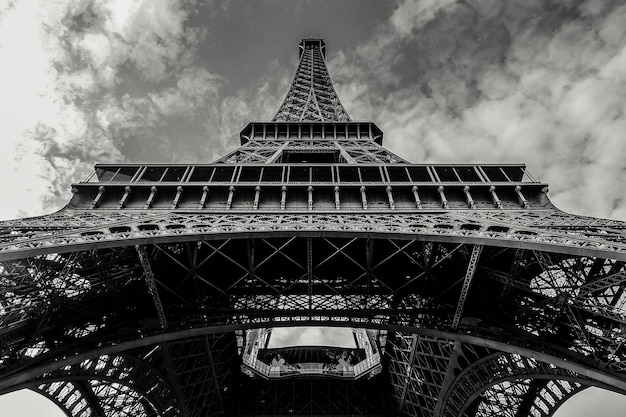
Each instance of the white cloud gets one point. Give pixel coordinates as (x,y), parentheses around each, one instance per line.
(502,82)
(27,84)
(62,64)
(312,336)
(414,14)
(593,402)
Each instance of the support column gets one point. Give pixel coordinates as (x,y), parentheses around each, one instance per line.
(309,273)
(467,282)
(152,288)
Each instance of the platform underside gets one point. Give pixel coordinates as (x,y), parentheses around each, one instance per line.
(159,317)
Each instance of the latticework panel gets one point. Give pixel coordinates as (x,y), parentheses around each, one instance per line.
(76,398)
(311,96)
(510,385)
(167,294)
(571,301)
(203,369)
(417,369)
(110,386)
(348,151)
(545,230)
(526,397)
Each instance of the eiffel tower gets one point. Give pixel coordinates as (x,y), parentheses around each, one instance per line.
(156,290)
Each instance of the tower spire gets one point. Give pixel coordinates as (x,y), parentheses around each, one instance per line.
(311,96)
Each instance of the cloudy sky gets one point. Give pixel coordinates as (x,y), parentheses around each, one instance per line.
(533,81)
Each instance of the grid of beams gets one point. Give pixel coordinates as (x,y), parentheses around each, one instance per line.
(562,305)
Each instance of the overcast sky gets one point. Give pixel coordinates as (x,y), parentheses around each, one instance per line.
(539,82)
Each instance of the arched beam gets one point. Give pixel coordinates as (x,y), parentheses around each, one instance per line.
(69,385)
(482,375)
(444,226)
(82,400)
(580,366)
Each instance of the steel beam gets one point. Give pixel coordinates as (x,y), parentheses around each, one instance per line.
(467,282)
(152,288)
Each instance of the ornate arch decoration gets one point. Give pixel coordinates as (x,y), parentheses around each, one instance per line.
(526,397)
(109,385)
(535,385)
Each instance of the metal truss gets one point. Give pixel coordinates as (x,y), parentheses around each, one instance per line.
(352,151)
(545,230)
(203,368)
(510,385)
(417,370)
(116,385)
(563,306)
(528,397)
(432,377)
(311,96)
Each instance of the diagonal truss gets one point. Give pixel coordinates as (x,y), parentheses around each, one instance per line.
(312,96)
(561,303)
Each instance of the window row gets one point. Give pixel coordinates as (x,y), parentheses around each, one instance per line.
(315,130)
(362,174)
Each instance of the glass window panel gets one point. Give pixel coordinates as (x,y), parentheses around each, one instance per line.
(250,174)
(272,174)
(397,174)
(105,174)
(419,174)
(494,174)
(348,174)
(299,174)
(446,174)
(223,174)
(153,174)
(468,174)
(201,174)
(125,174)
(174,174)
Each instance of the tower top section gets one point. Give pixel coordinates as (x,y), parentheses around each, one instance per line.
(311,43)
(311,97)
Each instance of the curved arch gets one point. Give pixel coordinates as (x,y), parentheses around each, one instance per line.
(506,369)
(79,399)
(415,318)
(256,302)
(571,365)
(118,385)
(527,397)
(149,228)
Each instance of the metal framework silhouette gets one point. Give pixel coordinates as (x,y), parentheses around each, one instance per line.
(145,295)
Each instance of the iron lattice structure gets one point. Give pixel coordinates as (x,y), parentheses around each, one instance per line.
(139,297)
